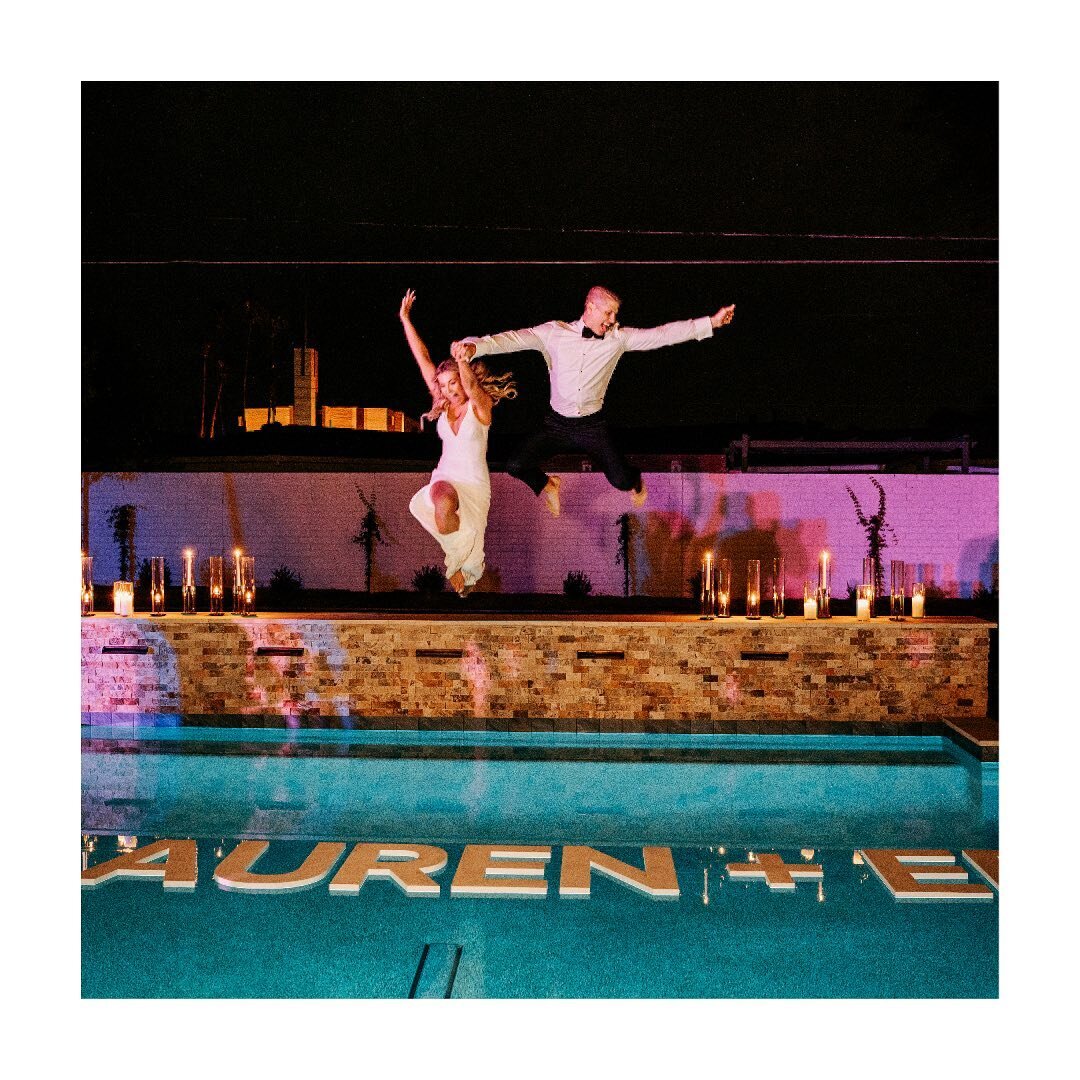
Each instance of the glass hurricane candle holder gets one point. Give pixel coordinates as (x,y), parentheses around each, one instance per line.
(86,598)
(809,600)
(753,589)
(187,583)
(708,587)
(217,585)
(918,599)
(897,589)
(723,588)
(237,583)
(157,586)
(123,597)
(864,602)
(247,583)
(778,588)
(869,577)
(823,591)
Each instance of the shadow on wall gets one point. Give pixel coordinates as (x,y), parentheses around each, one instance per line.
(978,564)
(978,568)
(491,582)
(384,582)
(737,527)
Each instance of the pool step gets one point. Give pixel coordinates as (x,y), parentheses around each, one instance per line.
(436,971)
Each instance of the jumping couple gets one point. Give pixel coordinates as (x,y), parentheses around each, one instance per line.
(581,357)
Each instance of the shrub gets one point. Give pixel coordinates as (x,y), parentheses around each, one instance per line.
(284,583)
(368,535)
(142,579)
(875,526)
(577,584)
(694,581)
(122,518)
(429,580)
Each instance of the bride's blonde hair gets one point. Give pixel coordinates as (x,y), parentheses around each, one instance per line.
(496,387)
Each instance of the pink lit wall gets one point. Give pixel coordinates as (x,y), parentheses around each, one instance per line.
(946,527)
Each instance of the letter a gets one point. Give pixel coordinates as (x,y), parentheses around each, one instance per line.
(174,862)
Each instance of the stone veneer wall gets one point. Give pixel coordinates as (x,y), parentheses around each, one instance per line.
(676,674)
(946,527)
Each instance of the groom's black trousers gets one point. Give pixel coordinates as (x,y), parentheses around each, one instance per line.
(587,435)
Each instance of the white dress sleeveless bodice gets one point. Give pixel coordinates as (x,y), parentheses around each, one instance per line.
(464,455)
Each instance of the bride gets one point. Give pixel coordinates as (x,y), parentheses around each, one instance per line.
(454,506)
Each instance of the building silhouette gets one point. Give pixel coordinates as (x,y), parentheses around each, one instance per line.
(306,412)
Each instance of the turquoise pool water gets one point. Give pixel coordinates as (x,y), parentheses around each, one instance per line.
(710,800)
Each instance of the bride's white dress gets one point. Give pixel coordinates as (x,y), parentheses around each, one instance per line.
(463,464)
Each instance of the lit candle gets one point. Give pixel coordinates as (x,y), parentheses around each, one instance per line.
(247,577)
(722,582)
(917,601)
(217,588)
(822,596)
(87,601)
(753,589)
(238,588)
(809,608)
(187,591)
(708,587)
(123,598)
(862,609)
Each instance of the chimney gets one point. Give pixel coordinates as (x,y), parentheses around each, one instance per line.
(305,385)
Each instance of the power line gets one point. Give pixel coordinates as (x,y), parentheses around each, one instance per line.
(607,231)
(539,262)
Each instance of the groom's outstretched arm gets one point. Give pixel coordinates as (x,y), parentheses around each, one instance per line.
(508,341)
(674,333)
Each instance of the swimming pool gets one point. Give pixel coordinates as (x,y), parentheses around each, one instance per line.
(714,803)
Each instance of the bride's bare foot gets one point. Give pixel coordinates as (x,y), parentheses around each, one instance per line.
(551,495)
(638,496)
(457,582)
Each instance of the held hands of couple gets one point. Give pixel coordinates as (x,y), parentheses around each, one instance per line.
(723,316)
(462,350)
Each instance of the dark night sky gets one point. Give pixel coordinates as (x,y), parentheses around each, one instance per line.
(189,190)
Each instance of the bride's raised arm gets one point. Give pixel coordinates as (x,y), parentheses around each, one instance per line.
(416,342)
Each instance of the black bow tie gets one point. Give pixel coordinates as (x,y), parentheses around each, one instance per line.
(586,332)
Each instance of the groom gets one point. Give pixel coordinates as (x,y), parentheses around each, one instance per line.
(581,358)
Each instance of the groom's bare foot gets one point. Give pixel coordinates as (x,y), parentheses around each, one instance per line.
(457,582)
(639,495)
(551,495)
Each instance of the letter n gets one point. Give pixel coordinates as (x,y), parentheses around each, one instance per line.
(657,879)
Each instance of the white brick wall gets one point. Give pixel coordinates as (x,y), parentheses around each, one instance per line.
(947,525)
